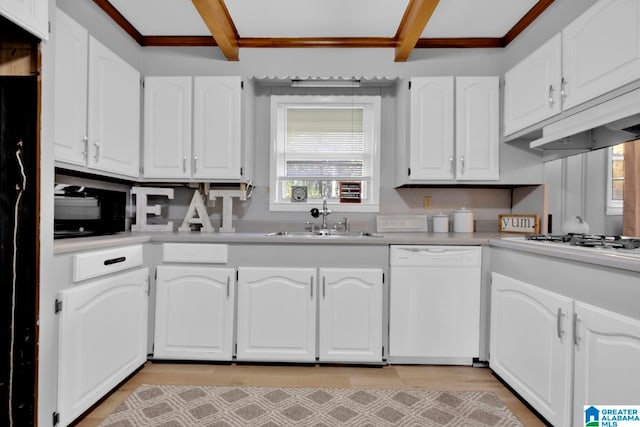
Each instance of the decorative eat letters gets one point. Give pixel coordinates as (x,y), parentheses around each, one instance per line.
(142,209)
(196,206)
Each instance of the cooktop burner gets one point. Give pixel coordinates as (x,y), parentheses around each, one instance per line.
(589,240)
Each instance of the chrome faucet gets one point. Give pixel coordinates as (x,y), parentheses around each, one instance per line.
(315,212)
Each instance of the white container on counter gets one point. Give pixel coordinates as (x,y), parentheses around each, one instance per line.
(463,221)
(440,223)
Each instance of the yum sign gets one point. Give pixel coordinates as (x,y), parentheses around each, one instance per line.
(518,223)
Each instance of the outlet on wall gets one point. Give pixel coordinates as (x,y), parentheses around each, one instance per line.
(426,202)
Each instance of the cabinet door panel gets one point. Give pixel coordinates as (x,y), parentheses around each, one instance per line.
(72,52)
(216,133)
(276,314)
(532,87)
(477,139)
(351,315)
(114,112)
(32,15)
(102,339)
(431,140)
(601,50)
(531,347)
(194,313)
(606,359)
(167,127)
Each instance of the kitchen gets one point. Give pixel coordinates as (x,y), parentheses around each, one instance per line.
(517,166)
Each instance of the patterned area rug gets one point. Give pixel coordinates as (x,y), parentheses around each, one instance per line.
(182,406)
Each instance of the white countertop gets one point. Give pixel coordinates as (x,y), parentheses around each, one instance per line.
(89,243)
(605,257)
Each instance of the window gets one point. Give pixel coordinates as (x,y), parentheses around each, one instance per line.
(615,180)
(323,144)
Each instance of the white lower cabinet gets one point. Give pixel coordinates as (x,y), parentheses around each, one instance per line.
(607,352)
(560,354)
(531,346)
(194,312)
(277,314)
(350,315)
(102,338)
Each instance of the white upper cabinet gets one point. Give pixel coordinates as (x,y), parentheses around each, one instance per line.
(431,128)
(453,130)
(32,15)
(167,127)
(216,128)
(595,54)
(192,128)
(601,50)
(97,105)
(114,112)
(71,62)
(532,87)
(477,137)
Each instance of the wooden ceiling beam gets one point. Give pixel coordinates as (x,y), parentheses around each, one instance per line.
(215,15)
(302,42)
(526,20)
(413,23)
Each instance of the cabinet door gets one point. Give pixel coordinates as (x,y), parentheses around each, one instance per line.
(114,112)
(70,85)
(194,313)
(277,314)
(350,315)
(477,139)
(531,346)
(167,127)
(102,338)
(601,50)
(217,132)
(431,129)
(606,359)
(32,15)
(532,87)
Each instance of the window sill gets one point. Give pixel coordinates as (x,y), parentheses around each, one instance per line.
(307,206)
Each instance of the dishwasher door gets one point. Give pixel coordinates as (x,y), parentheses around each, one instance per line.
(434,313)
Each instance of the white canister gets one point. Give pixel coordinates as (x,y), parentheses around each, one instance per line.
(463,221)
(440,223)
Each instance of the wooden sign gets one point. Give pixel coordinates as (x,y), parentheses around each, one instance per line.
(350,192)
(519,223)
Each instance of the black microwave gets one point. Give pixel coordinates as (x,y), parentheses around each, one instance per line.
(81,211)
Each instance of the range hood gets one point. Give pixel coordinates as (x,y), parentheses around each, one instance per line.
(610,122)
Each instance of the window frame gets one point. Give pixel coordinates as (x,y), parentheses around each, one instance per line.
(372,113)
(613,207)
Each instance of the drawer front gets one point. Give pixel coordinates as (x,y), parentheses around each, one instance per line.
(99,263)
(195,253)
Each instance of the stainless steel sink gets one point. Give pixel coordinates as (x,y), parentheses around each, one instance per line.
(322,233)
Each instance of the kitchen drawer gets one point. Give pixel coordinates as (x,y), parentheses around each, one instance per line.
(98,263)
(195,253)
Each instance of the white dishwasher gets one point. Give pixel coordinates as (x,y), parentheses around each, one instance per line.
(434,304)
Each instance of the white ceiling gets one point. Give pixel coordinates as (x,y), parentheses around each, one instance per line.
(326,18)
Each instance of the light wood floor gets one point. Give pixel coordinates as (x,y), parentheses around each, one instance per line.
(443,378)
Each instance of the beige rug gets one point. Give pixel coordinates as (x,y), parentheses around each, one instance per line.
(194,406)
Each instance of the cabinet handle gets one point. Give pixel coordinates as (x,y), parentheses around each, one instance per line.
(311,287)
(195,164)
(551,101)
(563,88)
(184,164)
(85,153)
(324,286)
(451,165)
(97,145)
(228,286)
(575,329)
(462,164)
(559,323)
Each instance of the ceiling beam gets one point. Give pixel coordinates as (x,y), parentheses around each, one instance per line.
(302,42)
(526,20)
(215,15)
(119,19)
(413,23)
